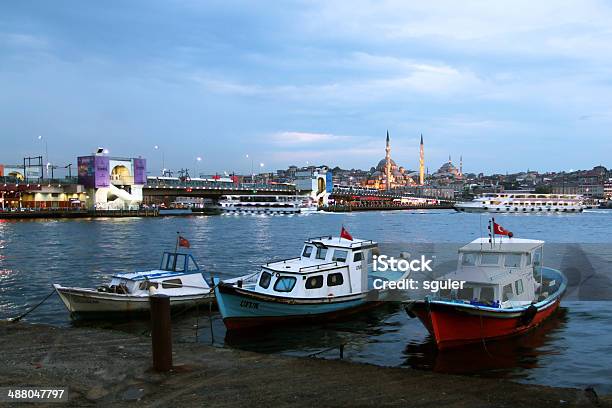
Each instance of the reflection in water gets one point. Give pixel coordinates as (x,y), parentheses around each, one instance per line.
(493,358)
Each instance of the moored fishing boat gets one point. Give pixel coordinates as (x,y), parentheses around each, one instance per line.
(178,276)
(330,278)
(507,292)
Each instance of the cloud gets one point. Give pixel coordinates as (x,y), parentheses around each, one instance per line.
(298,138)
(23,40)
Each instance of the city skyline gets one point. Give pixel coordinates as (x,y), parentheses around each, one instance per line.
(316,82)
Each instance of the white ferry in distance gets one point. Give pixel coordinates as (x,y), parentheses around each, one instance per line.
(523,202)
(267,204)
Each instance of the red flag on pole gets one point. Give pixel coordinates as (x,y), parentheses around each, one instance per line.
(345,234)
(183,242)
(499,230)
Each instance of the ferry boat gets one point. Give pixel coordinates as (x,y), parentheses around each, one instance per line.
(507,292)
(178,276)
(267,204)
(523,202)
(329,279)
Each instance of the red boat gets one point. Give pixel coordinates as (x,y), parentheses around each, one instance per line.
(506,292)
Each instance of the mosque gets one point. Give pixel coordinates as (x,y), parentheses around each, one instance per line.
(387,175)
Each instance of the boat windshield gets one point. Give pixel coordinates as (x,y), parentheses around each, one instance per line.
(177,262)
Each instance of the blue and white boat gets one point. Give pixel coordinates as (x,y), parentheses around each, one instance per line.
(331,277)
(178,276)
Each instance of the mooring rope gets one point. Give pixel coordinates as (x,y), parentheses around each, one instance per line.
(18,318)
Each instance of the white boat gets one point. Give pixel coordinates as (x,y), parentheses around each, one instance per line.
(267,204)
(331,277)
(506,292)
(523,202)
(178,276)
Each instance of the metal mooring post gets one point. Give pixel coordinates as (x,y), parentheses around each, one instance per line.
(161,332)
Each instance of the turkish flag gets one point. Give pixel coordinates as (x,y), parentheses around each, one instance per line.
(499,230)
(345,234)
(183,242)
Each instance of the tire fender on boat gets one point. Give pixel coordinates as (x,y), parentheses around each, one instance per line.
(528,315)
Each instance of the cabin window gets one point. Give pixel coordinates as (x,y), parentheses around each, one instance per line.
(528,259)
(335,279)
(170,263)
(180,263)
(465,293)
(489,259)
(285,284)
(172,284)
(321,253)
(469,259)
(518,286)
(445,293)
(340,255)
(314,282)
(487,294)
(507,293)
(191,264)
(307,251)
(512,260)
(357,257)
(264,280)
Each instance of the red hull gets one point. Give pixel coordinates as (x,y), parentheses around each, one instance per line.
(453,325)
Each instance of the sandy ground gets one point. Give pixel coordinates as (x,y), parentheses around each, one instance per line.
(108,368)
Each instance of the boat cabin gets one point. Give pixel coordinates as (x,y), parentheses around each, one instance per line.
(327,266)
(177,272)
(503,274)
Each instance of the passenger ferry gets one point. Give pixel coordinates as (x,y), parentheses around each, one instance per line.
(523,202)
(333,276)
(506,292)
(267,204)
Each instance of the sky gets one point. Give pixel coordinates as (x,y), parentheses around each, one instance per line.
(508,85)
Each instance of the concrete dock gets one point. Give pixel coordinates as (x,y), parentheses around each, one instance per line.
(110,368)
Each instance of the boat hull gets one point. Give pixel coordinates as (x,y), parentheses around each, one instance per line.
(86,301)
(242,309)
(454,326)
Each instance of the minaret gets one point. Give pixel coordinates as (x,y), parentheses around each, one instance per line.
(388,163)
(422,163)
(461,165)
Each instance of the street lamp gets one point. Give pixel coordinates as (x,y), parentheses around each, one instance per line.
(252,165)
(156,147)
(46,151)
(198,160)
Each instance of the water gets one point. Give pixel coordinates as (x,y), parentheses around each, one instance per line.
(572,349)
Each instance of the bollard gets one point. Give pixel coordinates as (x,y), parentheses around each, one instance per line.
(161,332)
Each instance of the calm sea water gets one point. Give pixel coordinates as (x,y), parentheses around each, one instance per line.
(574,348)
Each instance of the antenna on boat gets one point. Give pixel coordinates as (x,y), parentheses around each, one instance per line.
(491,234)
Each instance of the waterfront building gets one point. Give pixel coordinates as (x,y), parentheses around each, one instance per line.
(112,182)
(317,183)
